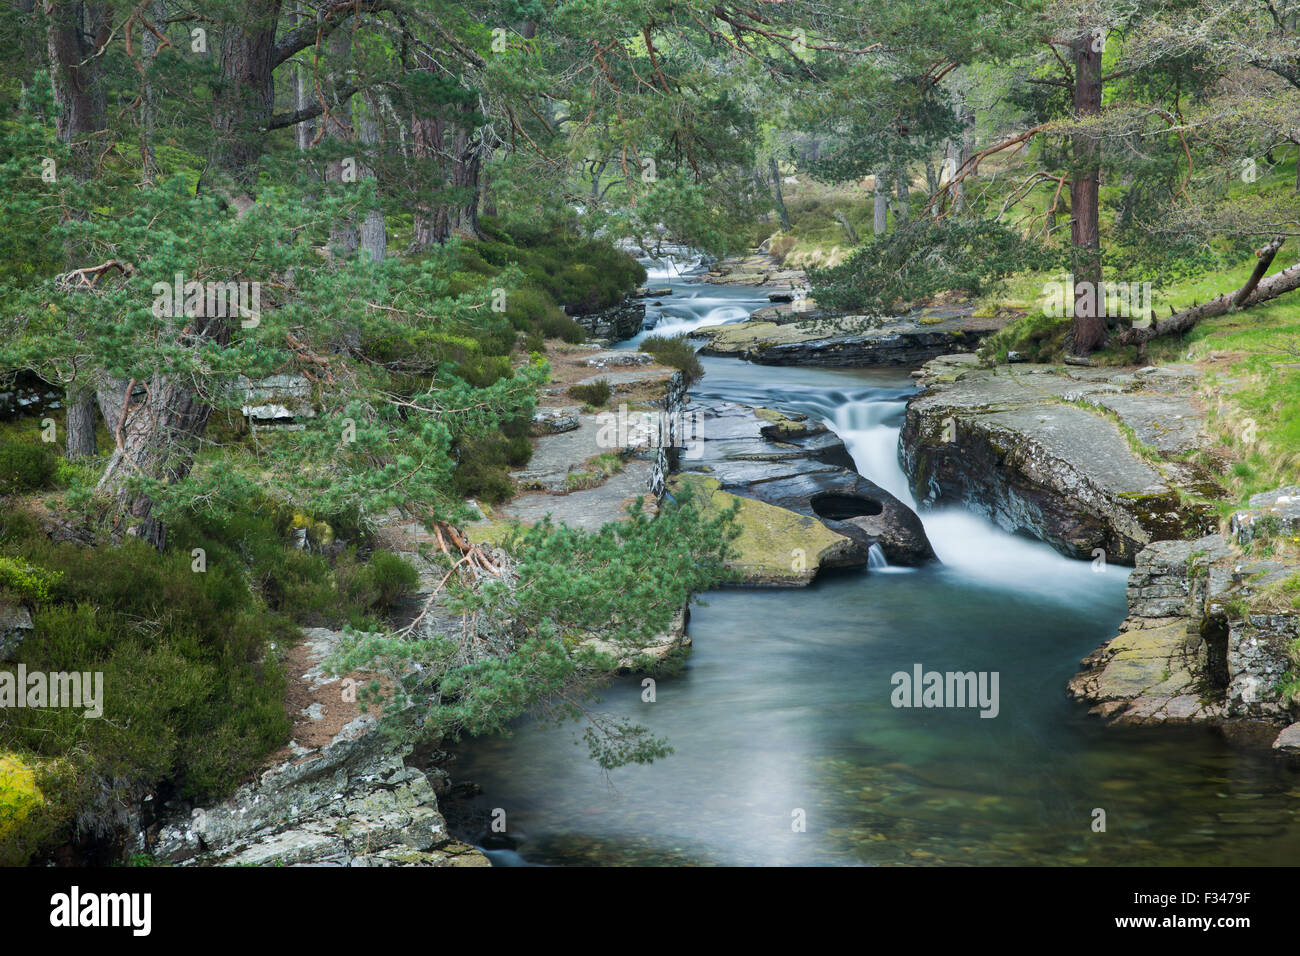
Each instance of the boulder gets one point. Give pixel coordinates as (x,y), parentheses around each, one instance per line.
(1288,741)
(776,547)
(796,465)
(614,324)
(1081,458)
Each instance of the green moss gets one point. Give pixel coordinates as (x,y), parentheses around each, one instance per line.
(775,546)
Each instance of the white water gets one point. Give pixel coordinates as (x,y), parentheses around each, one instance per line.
(690,306)
(965,542)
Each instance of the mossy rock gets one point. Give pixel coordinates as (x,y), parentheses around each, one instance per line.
(784,427)
(19,797)
(776,547)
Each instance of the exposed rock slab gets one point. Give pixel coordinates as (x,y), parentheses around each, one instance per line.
(15,627)
(851,340)
(1187,651)
(352,802)
(756,269)
(1054,451)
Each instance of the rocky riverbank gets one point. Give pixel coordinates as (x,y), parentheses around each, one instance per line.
(1096,462)
(1092,461)
(855,341)
(803,505)
(615,324)
(1212,635)
(343,793)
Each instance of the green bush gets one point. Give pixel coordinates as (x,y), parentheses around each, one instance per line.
(1035,336)
(26,581)
(17,525)
(25,467)
(518,450)
(484,370)
(391,577)
(526,308)
(595,394)
(560,326)
(584,275)
(481,470)
(675,352)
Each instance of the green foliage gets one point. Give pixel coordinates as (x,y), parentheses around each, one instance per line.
(622,584)
(596,394)
(676,352)
(925,257)
(558,269)
(1035,336)
(562,327)
(193,688)
(28,582)
(387,579)
(25,467)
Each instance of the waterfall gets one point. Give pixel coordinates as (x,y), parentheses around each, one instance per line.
(690,306)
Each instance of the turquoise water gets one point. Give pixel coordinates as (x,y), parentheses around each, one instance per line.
(783,713)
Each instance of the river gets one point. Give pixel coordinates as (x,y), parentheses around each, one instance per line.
(782,714)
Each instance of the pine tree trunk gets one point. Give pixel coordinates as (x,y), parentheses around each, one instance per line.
(1089,329)
(148,106)
(75,32)
(305,131)
(158,437)
(452,148)
(880,222)
(344,237)
(79,428)
(373,237)
(902,192)
(246,93)
(775,173)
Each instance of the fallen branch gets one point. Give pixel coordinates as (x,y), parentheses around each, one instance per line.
(1257,289)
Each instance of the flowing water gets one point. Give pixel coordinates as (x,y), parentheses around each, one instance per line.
(783,712)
